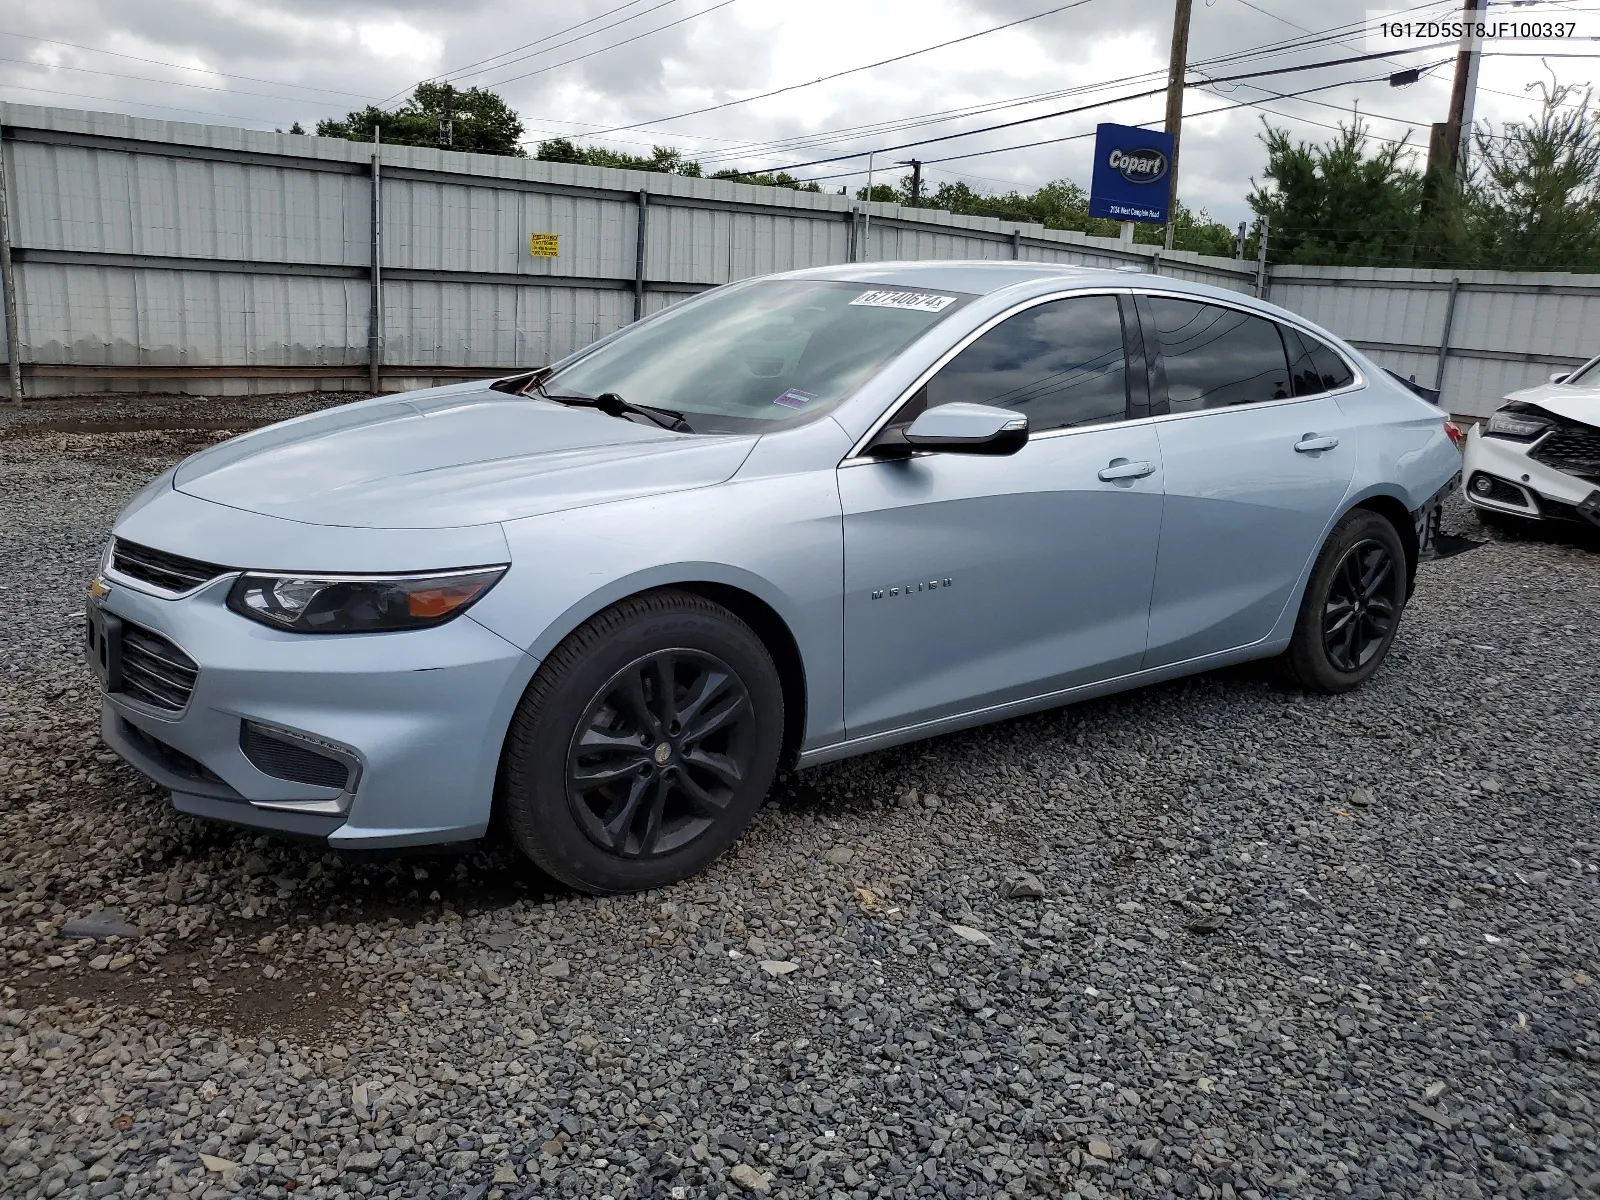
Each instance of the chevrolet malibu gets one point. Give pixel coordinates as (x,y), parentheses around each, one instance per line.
(599,604)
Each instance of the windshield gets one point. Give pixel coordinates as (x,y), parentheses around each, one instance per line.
(755,356)
(1589,373)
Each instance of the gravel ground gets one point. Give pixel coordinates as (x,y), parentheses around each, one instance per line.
(1210,939)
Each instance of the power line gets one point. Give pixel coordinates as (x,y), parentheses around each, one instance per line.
(179,66)
(27,62)
(1073,137)
(1267,50)
(457,71)
(1065,112)
(536,41)
(851,71)
(644,12)
(610,46)
(822,139)
(1145,124)
(199,112)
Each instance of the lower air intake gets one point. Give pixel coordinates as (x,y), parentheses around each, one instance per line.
(283,758)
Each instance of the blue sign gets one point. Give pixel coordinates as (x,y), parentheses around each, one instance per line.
(1130,174)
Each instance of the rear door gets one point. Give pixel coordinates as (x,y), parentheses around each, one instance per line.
(1257,457)
(974,581)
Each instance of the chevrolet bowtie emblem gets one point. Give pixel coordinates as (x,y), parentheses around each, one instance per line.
(99,589)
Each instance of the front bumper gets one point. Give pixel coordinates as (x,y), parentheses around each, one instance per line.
(421,715)
(1524,487)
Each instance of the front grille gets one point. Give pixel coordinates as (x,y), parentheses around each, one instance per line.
(1572,448)
(169,757)
(171,572)
(154,670)
(285,759)
(1498,490)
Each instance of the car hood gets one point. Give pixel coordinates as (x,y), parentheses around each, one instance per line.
(455,456)
(1574,403)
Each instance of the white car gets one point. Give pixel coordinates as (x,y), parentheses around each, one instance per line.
(1538,456)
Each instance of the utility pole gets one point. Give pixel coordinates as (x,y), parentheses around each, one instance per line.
(8,282)
(1451,139)
(1177,68)
(447,128)
(866,217)
(1238,242)
(375,317)
(916,180)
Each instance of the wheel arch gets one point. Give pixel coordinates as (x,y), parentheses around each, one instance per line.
(1393,509)
(733,591)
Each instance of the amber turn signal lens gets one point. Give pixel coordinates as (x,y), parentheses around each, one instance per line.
(441,601)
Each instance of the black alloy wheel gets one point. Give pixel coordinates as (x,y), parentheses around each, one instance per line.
(1362,605)
(1351,609)
(660,753)
(643,745)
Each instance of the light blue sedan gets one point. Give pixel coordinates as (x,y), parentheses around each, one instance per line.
(793,519)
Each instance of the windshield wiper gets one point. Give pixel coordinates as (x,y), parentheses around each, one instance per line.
(609,403)
(614,405)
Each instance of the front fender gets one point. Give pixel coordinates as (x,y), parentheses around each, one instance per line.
(776,537)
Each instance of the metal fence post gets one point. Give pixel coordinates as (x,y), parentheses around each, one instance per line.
(8,280)
(375,323)
(1444,338)
(1261,259)
(1016,243)
(638,255)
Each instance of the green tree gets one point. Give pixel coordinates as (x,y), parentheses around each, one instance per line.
(782,179)
(1062,204)
(1534,200)
(1340,203)
(480,122)
(663,159)
(884,193)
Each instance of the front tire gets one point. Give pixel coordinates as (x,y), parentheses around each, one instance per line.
(1352,606)
(644,744)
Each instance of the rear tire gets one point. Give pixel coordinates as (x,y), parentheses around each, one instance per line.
(643,746)
(1352,606)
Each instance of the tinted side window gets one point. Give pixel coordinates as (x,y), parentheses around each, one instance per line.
(1302,371)
(1216,357)
(1060,362)
(1330,368)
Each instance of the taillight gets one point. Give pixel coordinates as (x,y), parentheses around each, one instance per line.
(1454,432)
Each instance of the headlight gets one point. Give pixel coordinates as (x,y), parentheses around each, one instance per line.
(1517,424)
(359,604)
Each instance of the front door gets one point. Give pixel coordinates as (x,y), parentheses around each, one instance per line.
(975,581)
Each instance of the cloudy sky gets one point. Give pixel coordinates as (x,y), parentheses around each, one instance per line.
(623,73)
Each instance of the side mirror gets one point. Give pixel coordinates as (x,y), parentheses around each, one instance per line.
(961,428)
(1558,376)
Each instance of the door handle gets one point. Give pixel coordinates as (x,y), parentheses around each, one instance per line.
(1121,468)
(1311,442)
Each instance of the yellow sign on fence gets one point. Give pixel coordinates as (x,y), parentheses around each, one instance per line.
(544,245)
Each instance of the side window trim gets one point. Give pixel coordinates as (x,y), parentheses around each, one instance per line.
(1294,344)
(1156,371)
(1159,406)
(910,394)
(1135,360)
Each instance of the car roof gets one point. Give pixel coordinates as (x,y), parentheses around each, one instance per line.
(973,276)
(982,277)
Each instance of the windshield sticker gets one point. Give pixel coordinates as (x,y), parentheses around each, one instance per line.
(795,398)
(916,301)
